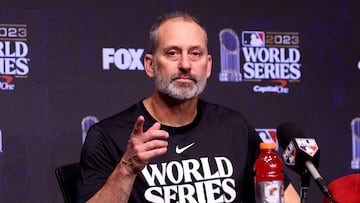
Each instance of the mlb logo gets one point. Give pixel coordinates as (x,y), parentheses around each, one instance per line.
(268,135)
(307,145)
(289,154)
(253,39)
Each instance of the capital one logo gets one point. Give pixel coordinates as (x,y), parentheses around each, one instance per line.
(122,59)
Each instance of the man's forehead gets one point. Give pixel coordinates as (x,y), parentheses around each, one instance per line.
(178,21)
(179,28)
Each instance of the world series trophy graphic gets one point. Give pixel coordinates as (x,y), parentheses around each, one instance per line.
(229,56)
(86,123)
(355,128)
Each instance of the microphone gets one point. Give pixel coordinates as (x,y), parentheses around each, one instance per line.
(302,155)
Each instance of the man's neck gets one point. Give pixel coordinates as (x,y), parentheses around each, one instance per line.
(171,112)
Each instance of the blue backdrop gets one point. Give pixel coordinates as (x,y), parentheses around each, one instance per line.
(61,61)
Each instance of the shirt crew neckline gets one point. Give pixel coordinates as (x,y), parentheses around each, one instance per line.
(172,129)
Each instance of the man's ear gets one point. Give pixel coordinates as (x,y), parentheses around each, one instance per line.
(209,66)
(148,65)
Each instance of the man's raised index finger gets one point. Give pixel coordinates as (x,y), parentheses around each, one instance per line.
(138,127)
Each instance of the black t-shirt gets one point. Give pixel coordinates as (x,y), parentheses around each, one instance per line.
(209,160)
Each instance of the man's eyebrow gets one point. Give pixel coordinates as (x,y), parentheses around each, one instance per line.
(171,47)
(190,48)
(197,47)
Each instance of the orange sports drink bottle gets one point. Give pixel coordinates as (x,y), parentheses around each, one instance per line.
(269,179)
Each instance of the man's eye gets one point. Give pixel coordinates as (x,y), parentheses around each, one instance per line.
(195,54)
(172,53)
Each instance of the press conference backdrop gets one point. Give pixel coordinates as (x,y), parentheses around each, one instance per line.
(64,65)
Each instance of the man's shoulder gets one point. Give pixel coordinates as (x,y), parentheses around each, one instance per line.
(227,118)
(123,118)
(213,108)
(215,114)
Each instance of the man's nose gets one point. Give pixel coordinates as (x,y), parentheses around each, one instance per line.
(185,62)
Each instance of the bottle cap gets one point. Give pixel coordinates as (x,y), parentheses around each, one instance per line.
(267,145)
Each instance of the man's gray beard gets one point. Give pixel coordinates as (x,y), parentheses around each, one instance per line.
(179,90)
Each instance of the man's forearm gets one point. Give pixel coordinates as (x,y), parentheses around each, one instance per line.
(117,187)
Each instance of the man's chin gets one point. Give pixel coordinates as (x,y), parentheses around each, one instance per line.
(182,95)
(181,83)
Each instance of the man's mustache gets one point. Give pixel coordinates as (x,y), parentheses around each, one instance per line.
(183,75)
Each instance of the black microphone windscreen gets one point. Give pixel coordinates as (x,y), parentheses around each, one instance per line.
(286,132)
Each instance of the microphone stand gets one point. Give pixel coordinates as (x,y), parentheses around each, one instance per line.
(304,186)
